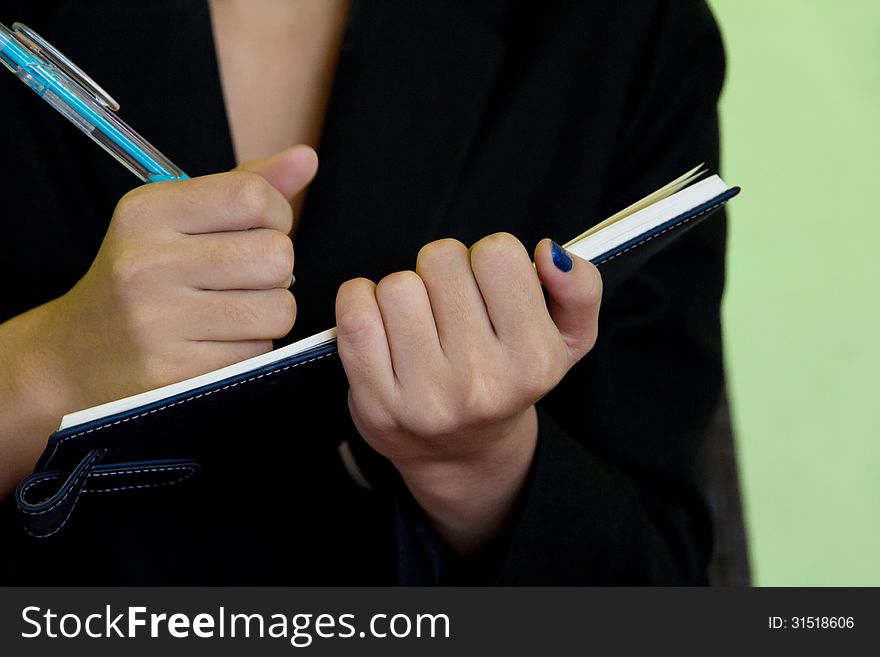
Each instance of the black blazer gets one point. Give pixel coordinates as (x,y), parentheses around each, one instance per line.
(447,118)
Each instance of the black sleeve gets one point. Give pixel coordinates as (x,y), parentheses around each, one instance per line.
(613,496)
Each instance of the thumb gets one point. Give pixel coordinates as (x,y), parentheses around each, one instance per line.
(288,171)
(574,288)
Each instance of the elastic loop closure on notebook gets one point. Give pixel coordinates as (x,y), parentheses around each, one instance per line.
(51,510)
(46,500)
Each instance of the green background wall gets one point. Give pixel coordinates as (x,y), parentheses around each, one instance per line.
(801,135)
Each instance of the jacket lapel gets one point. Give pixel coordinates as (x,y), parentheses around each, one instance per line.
(411,85)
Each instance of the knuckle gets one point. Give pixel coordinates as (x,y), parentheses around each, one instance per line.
(540,377)
(379,419)
(482,401)
(253,195)
(283,313)
(398,286)
(439,252)
(353,324)
(435,418)
(133,207)
(497,245)
(354,287)
(129,268)
(277,257)
(354,319)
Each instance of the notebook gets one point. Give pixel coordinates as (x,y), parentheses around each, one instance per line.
(78,451)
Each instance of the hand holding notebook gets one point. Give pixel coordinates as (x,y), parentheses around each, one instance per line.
(445,365)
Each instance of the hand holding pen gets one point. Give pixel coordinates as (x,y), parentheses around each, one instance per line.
(192,275)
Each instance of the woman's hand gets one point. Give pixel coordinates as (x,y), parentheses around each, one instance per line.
(446,363)
(191,276)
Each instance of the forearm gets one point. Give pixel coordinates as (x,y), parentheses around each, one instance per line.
(34,392)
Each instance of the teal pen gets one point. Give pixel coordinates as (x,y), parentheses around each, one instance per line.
(75,95)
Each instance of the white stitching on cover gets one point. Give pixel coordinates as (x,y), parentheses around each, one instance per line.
(38,481)
(142,486)
(665,230)
(191,470)
(182,401)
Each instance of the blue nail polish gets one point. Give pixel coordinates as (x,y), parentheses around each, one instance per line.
(561,258)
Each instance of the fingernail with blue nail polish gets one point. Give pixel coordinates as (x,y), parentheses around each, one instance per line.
(561,258)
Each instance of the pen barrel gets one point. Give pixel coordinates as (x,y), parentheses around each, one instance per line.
(87,112)
(112,134)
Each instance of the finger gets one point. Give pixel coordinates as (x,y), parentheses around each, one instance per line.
(235,315)
(459,312)
(363,346)
(410,328)
(511,289)
(258,259)
(288,171)
(231,201)
(574,287)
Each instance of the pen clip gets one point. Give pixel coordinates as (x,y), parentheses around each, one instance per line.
(44,50)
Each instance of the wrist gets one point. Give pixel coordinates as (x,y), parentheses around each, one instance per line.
(33,387)
(469,500)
